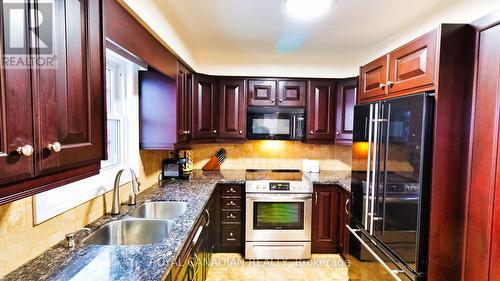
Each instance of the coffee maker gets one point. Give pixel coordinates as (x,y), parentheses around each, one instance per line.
(179,167)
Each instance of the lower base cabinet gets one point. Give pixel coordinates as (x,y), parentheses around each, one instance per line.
(229,218)
(330,215)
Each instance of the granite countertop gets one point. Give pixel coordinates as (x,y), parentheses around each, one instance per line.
(341,178)
(142,262)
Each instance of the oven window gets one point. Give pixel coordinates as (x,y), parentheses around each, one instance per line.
(270,126)
(278,215)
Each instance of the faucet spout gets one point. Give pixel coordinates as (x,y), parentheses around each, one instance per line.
(115,209)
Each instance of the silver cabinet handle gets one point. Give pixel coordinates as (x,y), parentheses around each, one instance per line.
(281,100)
(231,190)
(25,150)
(390,83)
(197,235)
(208,218)
(241,132)
(312,132)
(337,133)
(55,147)
(381,85)
(345,206)
(215,131)
(272,100)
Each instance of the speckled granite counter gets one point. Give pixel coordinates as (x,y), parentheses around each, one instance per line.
(142,262)
(341,178)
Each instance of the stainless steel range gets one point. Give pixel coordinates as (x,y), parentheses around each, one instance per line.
(278,215)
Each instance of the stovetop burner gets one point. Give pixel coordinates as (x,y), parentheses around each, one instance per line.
(276,175)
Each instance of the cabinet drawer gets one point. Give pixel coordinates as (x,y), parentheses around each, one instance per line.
(230,216)
(231,234)
(231,190)
(231,203)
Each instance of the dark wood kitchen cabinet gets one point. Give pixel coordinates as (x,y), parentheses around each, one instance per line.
(205,105)
(346,92)
(412,66)
(373,79)
(344,205)
(292,93)
(60,112)
(261,92)
(320,124)
(232,109)
(325,219)
(184,98)
(229,218)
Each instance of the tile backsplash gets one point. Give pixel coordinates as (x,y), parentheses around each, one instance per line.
(264,154)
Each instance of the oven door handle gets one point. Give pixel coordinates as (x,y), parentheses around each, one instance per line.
(273,198)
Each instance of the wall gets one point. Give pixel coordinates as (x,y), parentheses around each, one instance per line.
(275,154)
(21,241)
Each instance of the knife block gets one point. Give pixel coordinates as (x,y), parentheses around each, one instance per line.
(212,165)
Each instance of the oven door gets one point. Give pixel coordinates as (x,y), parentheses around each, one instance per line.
(278,217)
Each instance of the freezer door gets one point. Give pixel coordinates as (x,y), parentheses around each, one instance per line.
(400,199)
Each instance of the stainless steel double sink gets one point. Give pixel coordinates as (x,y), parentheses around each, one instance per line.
(147,224)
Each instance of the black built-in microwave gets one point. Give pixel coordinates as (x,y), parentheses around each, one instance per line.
(272,123)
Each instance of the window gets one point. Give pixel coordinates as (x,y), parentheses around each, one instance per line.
(115,97)
(122,103)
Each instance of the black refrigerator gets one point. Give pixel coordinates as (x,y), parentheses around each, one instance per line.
(391,166)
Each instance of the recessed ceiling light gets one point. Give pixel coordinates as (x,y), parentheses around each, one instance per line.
(307,9)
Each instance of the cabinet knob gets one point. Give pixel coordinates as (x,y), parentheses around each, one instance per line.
(390,83)
(215,131)
(281,100)
(337,133)
(231,189)
(241,132)
(381,85)
(231,234)
(56,147)
(25,150)
(312,132)
(272,100)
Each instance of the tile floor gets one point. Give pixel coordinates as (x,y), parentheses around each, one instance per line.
(233,267)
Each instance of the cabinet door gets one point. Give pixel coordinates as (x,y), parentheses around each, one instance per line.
(204,108)
(345,198)
(232,109)
(16,127)
(325,219)
(261,92)
(184,96)
(69,99)
(373,79)
(292,93)
(321,111)
(413,65)
(345,100)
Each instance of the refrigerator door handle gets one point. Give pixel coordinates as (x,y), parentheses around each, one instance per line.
(393,272)
(368,184)
(386,157)
(374,167)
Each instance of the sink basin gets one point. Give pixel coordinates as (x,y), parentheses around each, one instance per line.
(160,210)
(131,232)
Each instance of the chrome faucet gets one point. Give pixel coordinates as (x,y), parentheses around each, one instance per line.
(115,210)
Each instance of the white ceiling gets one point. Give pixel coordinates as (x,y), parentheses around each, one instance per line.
(256,36)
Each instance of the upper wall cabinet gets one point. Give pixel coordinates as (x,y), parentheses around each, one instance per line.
(345,100)
(16,122)
(321,111)
(373,79)
(413,65)
(261,92)
(406,70)
(184,98)
(232,109)
(69,98)
(204,108)
(52,115)
(282,93)
(157,110)
(292,93)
